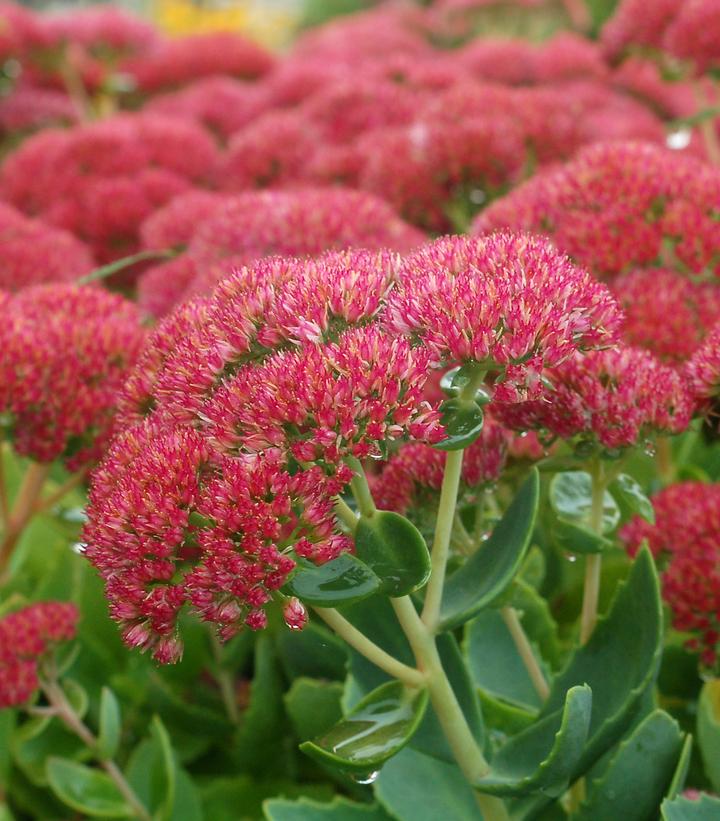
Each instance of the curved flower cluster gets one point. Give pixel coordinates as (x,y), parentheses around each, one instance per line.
(416,469)
(619,397)
(686,29)
(101,180)
(507,301)
(25,637)
(33,252)
(619,206)
(65,354)
(237,421)
(665,312)
(258,224)
(703,373)
(686,534)
(27,108)
(174,62)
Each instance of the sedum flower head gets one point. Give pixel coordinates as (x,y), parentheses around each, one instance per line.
(703,372)
(25,637)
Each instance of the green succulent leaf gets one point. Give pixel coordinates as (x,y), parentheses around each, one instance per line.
(631,499)
(395,550)
(635,780)
(544,756)
(677,784)
(304,809)
(86,790)
(490,570)
(706,808)
(463,421)
(313,705)
(76,695)
(631,631)
(374,731)
(110,724)
(708,730)
(577,538)
(571,500)
(342,581)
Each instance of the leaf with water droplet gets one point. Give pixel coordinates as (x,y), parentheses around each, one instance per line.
(631,499)
(374,731)
(463,421)
(341,581)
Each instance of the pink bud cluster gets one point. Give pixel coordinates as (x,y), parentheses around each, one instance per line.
(619,206)
(237,421)
(618,397)
(33,252)
(26,636)
(703,372)
(684,29)
(417,469)
(28,108)
(686,537)
(242,228)
(101,180)
(66,352)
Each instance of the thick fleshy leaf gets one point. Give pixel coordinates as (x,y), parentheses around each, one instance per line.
(340,809)
(109,735)
(572,537)
(706,808)
(543,757)
(374,731)
(635,780)
(463,421)
(86,790)
(708,730)
(631,631)
(35,740)
(312,652)
(313,706)
(342,581)
(489,571)
(395,550)
(538,621)
(414,786)
(571,499)
(677,784)
(631,499)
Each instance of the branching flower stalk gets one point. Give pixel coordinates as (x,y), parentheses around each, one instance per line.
(593,562)
(22,509)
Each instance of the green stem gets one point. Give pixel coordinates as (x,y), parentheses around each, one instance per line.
(225,680)
(346,514)
(360,642)
(360,488)
(593,562)
(522,644)
(23,510)
(666,466)
(465,749)
(65,712)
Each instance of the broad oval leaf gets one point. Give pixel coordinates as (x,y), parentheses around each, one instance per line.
(395,550)
(342,581)
(305,809)
(573,537)
(109,734)
(463,421)
(544,756)
(86,790)
(374,731)
(571,499)
(635,780)
(705,808)
(491,569)
(631,631)
(631,499)
(708,730)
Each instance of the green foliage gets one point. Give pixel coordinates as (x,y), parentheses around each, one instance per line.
(463,420)
(705,808)
(342,581)
(338,810)
(86,790)
(708,730)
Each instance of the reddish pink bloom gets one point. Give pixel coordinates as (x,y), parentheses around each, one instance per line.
(686,535)
(102,30)
(173,225)
(66,352)
(619,397)
(694,34)
(28,108)
(294,614)
(221,104)
(33,252)
(20,31)
(703,372)
(175,62)
(25,637)
(618,206)
(638,23)
(404,481)
(508,301)
(665,312)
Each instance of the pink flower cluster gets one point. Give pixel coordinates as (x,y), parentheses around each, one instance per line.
(686,536)
(33,252)
(66,352)
(703,372)
(26,636)
(101,180)
(617,397)
(235,425)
